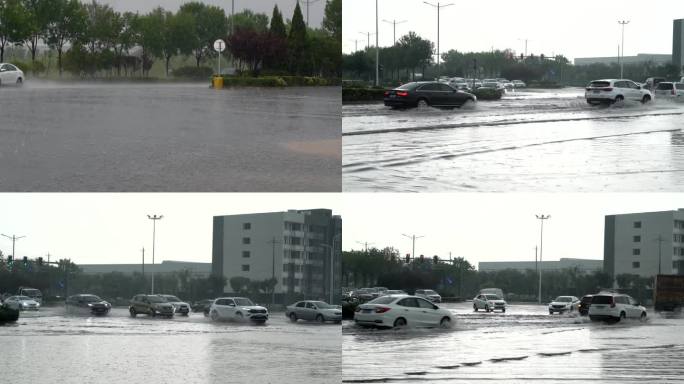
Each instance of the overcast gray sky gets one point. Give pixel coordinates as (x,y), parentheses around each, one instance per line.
(579,28)
(316,10)
(112,228)
(491,227)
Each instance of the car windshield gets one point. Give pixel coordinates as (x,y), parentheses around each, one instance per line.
(408,86)
(32,292)
(89,298)
(599,84)
(322,305)
(492,297)
(155,299)
(243,301)
(429,292)
(665,86)
(23,298)
(382,300)
(172,298)
(602,300)
(564,299)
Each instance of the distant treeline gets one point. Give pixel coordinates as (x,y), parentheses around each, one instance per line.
(93,38)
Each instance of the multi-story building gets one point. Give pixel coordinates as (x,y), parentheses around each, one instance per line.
(301,248)
(644,244)
(678,44)
(582,265)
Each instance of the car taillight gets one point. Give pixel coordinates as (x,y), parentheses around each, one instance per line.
(402,94)
(612,302)
(381,309)
(386,93)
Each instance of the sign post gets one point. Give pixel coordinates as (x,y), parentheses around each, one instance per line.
(219,46)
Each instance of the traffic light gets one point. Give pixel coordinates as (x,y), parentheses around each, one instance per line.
(10,262)
(40,261)
(435,259)
(422,258)
(25,261)
(542,57)
(522,57)
(408,258)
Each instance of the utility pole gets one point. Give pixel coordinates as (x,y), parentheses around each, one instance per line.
(368,35)
(541,250)
(154,233)
(365,245)
(143,264)
(356,44)
(525,40)
(438,6)
(413,240)
(622,61)
(394,25)
(232,18)
(377,47)
(536,267)
(308,2)
(332,267)
(14,239)
(273,243)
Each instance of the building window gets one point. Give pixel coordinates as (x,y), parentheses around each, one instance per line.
(636,264)
(637,224)
(296,240)
(637,239)
(246,226)
(245,254)
(246,240)
(245,267)
(636,251)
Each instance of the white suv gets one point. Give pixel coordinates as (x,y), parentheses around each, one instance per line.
(489,302)
(610,91)
(615,307)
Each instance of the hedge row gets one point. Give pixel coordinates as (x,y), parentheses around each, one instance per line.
(362,94)
(277,81)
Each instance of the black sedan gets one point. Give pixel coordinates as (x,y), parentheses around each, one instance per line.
(585,303)
(427,93)
(87,304)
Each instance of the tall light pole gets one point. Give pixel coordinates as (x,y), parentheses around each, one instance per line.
(622,60)
(541,249)
(308,2)
(356,44)
(332,266)
(525,40)
(273,243)
(413,240)
(14,239)
(660,253)
(377,47)
(368,35)
(438,6)
(365,245)
(154,219)
(394,28)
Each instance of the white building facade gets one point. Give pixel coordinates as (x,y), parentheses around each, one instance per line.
(644,244)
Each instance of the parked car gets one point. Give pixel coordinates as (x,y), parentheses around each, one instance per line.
(563,304)
(400,311)
(652,82)
(33,293)
(489,302)
(237,309)
(584,305)
(318,311)
(395,292)
(495,291)
(87,304)
(365,294)
(179,305)
(10,74)
(609,306)
(22,303)
(669,89)
(493,85)
(429,294)
(152,305)
(610,91)
(202,306)
(427,93)
(519,84)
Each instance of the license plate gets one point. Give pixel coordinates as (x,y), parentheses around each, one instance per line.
(392,96)
(366,310)
(597,92)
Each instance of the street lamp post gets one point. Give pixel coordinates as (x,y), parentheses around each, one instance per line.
(413,240)
(332,266)
(308,2)
(438,6)
(377,47)
(154,219)
(368,35)
(273,243)
(394,28)
(14,239)
(541,249)
(622,59)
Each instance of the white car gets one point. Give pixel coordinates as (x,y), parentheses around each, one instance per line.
(429,294)
(318,311)
(669,90)
(10,74)
(489,302)
(609,91)
(22,303)
(610,306)
(519,84)
(563,304)
(237,309)
(402,311)
(179,306)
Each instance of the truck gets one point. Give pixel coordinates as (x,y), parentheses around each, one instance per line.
(32,293)
(668,294)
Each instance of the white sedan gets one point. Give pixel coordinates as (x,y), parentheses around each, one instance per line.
(563,304)
(10,74)
(22,303)
(318,311)
(401,311)
(237,309)
(489,302)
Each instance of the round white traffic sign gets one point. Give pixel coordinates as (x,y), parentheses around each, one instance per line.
(219,45)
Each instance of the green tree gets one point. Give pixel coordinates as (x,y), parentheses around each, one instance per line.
(239,284)
(148,32)
(12,24)
(333,19)
(67,24)
(297,43)
(417,52)
(248,20)
(277,25)
(210,24)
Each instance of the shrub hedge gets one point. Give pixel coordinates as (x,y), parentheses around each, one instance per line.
(276,81)
(351,94)
(192,72)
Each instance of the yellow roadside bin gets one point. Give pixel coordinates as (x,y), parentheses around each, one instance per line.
(217,82)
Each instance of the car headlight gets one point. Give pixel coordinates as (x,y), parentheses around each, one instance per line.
(90,304)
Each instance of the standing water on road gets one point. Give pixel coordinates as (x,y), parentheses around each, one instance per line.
(521,345)
(168,137)
(541,141)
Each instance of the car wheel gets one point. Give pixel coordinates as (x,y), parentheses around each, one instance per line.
(320,319)
(445,322)
(400,322)
(550,312)
(293,317)
(20,82)
(646,99)
(239,317)
(422,103)
(133,313)
(619,99)
(151,312)
(486,308)
(643,316)
(503,310)
(475,307)
(622,316)
(214,315)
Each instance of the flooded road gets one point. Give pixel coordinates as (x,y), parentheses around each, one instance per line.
(168,137)
(522,345)
(48,347)
(530,140)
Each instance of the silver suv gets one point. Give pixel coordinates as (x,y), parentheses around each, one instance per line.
(609,306)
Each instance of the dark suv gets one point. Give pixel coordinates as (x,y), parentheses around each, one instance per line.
(152,305)
(585,303)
